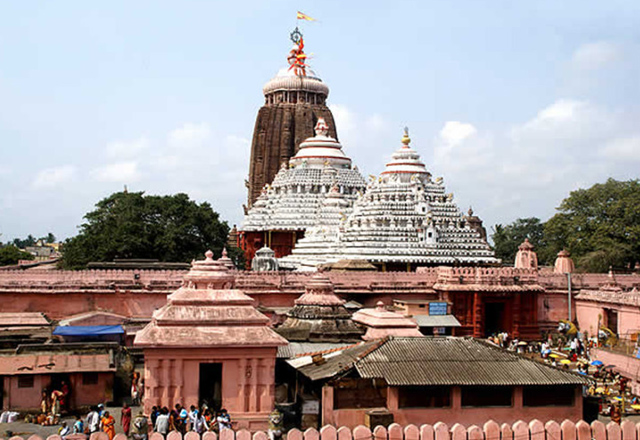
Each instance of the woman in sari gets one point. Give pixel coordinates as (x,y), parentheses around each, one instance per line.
(108,425)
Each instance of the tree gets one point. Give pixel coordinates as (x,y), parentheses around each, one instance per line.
(134,225)
(600,226)
(507,238)
(29,241)
(10,255)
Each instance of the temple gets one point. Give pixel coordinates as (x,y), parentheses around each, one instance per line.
(208,344)
(294,201)
(294,101)
(403,220)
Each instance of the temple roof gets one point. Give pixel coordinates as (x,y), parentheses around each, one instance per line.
(207,312)
(404,216)
(287,80)
(381,322)
(294,200)
(319,315)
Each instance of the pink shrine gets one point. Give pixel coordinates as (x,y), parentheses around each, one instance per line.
(209,344)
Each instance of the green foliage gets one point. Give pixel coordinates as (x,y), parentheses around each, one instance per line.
(10,255)
(600,226)
(132,225)
(507,238)
(31,240)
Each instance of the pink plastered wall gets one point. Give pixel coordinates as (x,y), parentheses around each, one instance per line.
(554,429)
(354,417)
(81,394)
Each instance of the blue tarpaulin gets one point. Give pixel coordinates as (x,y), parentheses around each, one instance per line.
(88,330)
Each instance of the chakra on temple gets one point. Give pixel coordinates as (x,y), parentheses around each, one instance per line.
(318,186)
(404,218)
(294,100)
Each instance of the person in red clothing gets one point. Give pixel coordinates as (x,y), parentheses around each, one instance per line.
(125,420)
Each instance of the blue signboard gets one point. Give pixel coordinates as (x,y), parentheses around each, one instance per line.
(437,308)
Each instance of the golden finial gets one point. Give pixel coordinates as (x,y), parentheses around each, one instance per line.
(406,139)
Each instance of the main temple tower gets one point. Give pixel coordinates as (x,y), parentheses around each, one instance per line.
(294,101)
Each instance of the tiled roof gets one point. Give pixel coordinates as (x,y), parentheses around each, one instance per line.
(457,361)
(439,361)
(297,349)
(335,363)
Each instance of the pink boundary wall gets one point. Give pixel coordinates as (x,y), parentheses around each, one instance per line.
(535,430)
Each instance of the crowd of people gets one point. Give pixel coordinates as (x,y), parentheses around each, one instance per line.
(195,419)
(573,352)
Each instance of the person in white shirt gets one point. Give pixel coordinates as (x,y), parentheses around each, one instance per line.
(93,421)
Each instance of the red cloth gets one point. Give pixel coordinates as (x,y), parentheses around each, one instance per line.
(126,420)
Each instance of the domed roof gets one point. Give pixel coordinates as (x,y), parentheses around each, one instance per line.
(287,80)
(321,149)
(406,160)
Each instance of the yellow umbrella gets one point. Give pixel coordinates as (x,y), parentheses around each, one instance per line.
(636,407)
(565,361)
(553,355)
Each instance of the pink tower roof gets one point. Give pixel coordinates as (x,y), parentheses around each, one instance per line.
(381,323)
(526,258)
(564,263)
(319,292)
(207,312)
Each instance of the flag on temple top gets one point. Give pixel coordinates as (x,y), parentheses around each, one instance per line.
(302,16)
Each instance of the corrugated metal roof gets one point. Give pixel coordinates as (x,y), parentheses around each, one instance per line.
(457,361)
(295,349)
(335,363)
(436,320)
(439,361)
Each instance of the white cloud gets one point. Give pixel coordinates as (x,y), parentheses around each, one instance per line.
(376,123)
(623,149)
(127,149)
(344,120)
(52,177)
(526,170)
(455,132)
(592,56)
(122,172)
(189,135)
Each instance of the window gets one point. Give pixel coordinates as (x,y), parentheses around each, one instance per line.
(89,378)
(424,397)
(548,396)
(358,393)
(487,396)
(25,381)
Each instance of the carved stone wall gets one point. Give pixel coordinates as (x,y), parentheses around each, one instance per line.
(279,130)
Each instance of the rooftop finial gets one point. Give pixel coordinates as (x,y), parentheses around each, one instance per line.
(406,139)
(297,58)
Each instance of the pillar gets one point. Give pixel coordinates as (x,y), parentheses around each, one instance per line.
(517,306)
(477,315)
(327,405)
(456,398)
(242,385)
(517,398)
(393,396)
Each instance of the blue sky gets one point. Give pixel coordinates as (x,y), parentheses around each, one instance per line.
(514,103)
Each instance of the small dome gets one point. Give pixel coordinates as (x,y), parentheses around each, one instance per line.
(406,160)
(321,149)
